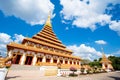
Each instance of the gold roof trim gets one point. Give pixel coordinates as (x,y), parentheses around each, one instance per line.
(47,44)
(20,46)
(105,59)
(39,37)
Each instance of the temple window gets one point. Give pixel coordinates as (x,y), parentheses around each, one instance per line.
(65,52)
(45,47)
(78,62)
(61,51)
(32,44)
(37,45)
(40,46)
(28,43)
(50,49)
(56,50)
(69,53)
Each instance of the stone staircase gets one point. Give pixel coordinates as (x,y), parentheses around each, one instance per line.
(24,67)
(29,72)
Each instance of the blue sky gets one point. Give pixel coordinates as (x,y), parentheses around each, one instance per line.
(84,26)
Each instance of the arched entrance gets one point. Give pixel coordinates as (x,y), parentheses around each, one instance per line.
(17,59)
(106,66)
(28,60)
(39,59)
(55,61)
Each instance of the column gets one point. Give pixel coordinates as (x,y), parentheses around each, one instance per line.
(68,61)
(76,62)
(44,59)
(63,61)
(72,62)
(58,60)
(51,60)
(34,59)
(79,62)
(23,59)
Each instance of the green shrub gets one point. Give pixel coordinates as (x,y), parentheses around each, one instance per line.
(73,75)
(82,70)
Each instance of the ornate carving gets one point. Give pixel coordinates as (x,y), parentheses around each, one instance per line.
(65,58)
(48,56)
(40,54)
(55,57)
(6,62)
(61,58)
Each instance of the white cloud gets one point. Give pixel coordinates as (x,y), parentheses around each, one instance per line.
(6,39)
(114,25)
(101,42)
(31,11)
(18,38)
(117,53)
(67,28)
(86,15)
(85,52)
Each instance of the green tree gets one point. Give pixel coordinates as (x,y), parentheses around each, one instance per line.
(85,61)
(95,63)
(115,62)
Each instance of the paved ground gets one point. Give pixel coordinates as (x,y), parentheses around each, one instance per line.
(35,75)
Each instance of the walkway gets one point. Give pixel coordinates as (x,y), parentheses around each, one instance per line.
(35,75)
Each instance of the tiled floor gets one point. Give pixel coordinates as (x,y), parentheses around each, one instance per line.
(36,75)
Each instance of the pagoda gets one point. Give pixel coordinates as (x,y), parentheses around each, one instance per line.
(106,63)
(43,49)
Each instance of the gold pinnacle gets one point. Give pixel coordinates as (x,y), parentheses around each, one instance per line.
(48,22)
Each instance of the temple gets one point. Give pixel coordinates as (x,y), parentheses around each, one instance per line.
(43,49)
(106,63)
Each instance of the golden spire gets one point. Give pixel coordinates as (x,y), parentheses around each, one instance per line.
(104,59)
(48,22)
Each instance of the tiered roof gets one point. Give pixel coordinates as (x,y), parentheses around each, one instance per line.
(105,59)
(47,38)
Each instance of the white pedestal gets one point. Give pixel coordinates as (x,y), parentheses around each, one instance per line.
(85,71)
(3,72)
(59,74)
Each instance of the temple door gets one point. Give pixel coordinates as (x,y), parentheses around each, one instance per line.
(28,60)
(106,66)
(17,59)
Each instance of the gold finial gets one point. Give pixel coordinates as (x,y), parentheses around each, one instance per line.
(48,22)
(102,49)
(103,54)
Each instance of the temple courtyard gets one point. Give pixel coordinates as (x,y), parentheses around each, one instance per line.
(19,73)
